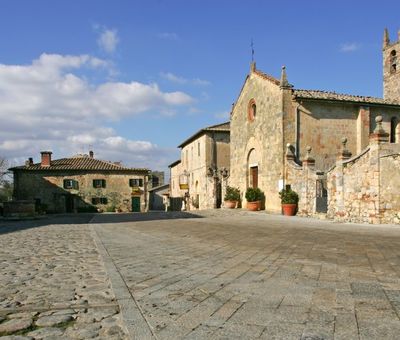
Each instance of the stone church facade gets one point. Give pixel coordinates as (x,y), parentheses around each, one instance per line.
(281,135)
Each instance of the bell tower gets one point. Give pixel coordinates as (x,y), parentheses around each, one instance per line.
(391,67)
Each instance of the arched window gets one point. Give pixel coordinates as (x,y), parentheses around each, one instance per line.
(393,61)
(394,130)
(251,110)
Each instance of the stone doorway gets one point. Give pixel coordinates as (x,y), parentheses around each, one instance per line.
(321,196)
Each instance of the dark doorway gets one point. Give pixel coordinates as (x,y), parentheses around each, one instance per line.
(136,204)
(254,177)
(321,196)
(219,195)
(69,203)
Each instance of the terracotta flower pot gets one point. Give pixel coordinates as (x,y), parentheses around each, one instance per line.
(254,206)
(230,204)
(289,209)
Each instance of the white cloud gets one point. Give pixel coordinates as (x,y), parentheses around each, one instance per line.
(223,115)
(181,80)
(49,104)
(173,78)
(168,36)
(350,47)
(108,39)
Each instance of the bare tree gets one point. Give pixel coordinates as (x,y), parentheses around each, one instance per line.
(6,187)
(3,169)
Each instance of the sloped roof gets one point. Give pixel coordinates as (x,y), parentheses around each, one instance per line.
(267,77)
(223,127)
(174,163)
(78,163)
(327,95)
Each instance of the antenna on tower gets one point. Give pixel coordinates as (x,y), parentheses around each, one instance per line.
(252,50)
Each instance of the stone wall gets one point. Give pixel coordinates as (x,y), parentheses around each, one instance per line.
(19,208)
(302,179)
(47,188)
(366,188)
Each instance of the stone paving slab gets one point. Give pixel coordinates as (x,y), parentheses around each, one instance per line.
(53,284)
(241,275)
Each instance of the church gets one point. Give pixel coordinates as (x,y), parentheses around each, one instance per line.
(319,142)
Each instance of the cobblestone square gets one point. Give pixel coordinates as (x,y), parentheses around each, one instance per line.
(222,275)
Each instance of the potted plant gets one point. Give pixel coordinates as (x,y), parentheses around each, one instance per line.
(289,200)
(254,196)
(232,197)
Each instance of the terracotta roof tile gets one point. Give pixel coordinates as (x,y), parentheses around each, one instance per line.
(79,163)
(327,95)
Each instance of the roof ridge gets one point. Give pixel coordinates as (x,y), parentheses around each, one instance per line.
(338,93)
(332,95)
(216,125)
(267,77)
(79,163)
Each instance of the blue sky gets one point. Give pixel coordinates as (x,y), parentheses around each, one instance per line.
(133,79)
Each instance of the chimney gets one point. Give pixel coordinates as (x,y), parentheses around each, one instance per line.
(46,158)
(91,154)
(29,162)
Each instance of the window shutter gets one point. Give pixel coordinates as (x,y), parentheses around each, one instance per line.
(75,185)
(94,183)
(103,183)
(65,184)
(140,182)
(131,182)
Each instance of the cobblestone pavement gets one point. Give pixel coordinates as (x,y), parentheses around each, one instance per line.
(239,275)
(53,284)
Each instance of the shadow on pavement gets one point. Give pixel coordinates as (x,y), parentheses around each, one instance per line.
(9,226)
(139,217)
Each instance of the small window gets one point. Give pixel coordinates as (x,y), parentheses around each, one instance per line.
(70,184)
(99,183)
(99,200)
(136,182)
(155,181)
(393,130)
(251,110)
(393,61)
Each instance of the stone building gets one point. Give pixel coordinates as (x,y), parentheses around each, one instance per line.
(204,167)
(271,114)
(81,183)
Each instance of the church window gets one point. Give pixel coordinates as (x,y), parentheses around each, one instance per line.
(394,130)
(252,110)
(393,61)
